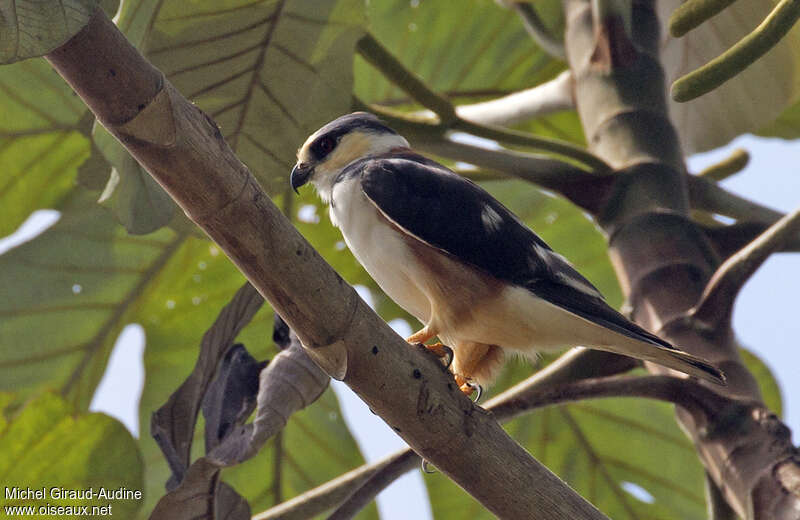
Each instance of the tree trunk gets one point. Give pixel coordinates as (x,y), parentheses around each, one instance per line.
(663,260)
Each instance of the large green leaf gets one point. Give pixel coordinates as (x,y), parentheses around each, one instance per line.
(45,446)
(138,202)
(74,287)
(269,73)
(30,28)
(190,289)
(466,50)
(81,281)
(40,145)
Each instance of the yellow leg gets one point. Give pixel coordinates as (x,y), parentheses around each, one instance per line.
(437,349)
(421,336)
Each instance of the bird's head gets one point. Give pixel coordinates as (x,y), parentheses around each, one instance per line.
(331,148)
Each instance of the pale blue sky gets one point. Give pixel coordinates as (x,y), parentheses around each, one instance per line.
(766,320)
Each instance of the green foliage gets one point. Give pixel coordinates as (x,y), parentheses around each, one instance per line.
(283,70)
(29,28)
(138,202)
(41,145)
(44,445)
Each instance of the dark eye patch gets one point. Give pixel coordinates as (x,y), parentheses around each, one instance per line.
(323,146)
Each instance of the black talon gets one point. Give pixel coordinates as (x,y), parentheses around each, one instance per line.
(449,356)
(426,467)
(478,388)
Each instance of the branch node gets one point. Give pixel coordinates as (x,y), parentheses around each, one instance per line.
(155,123)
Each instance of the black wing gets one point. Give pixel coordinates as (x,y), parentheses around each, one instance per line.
(457,216)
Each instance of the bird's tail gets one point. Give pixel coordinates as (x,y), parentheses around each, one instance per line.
(669,357)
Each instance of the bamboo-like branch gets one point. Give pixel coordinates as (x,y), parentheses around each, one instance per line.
(693,13)
(733,164)
(184,150)
(716,304)
(540,33)
(740,56)
(753,218)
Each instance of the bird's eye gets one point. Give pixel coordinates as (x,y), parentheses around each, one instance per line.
(324,146)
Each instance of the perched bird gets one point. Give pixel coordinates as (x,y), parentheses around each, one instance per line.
(453,256)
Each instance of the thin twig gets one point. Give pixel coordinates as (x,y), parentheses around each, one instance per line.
(516,138)
(686,393)
(540,33)
(734,163)
(538,169)
(546,98)
(709,196)
(376,54)
(334,492)
(716,303)
(740,56)
(376,483)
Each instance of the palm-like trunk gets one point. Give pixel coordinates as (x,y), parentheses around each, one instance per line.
(664,261)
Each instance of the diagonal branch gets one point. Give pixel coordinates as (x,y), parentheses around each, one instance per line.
(575,364)
(709,196)
(376,483)
(716,304)
(184,150)
(379,57)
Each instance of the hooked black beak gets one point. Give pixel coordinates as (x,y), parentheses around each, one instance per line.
(300,174)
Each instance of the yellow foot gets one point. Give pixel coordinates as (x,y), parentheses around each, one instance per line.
(421,336)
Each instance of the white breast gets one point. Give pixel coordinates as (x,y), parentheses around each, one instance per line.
(379,247)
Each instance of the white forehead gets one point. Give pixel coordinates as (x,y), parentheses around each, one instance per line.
(304,153)
(360,139)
